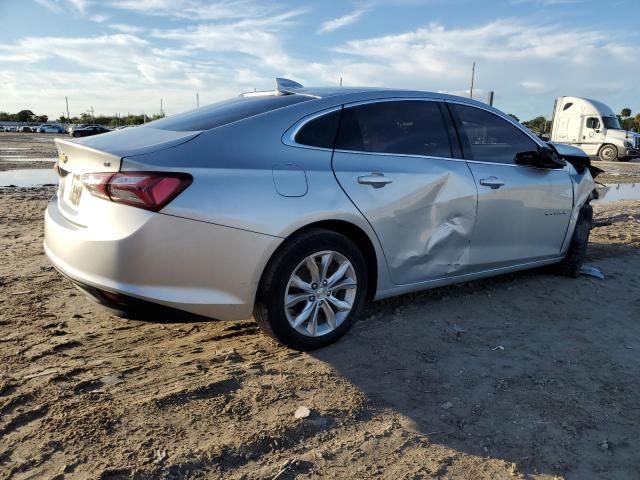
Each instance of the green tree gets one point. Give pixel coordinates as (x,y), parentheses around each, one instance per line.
(514,117)
(625,113)
(24,116)
(537,125)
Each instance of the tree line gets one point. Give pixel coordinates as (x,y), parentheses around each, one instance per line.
(27,116)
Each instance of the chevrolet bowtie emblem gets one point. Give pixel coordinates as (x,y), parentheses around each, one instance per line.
(64,158)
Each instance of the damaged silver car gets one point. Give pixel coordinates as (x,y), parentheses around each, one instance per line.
(299,204)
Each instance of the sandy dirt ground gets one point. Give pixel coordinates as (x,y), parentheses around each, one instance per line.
(27,150)
(528,375)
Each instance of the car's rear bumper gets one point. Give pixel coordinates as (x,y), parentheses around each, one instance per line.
(194,266)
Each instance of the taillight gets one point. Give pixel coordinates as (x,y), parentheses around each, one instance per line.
(148,190)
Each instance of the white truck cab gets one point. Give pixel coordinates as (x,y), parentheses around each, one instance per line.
(594,128)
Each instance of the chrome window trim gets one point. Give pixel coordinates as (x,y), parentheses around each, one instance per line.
(288,137)
(409,155)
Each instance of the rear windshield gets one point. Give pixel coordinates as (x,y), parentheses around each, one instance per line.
(227,111)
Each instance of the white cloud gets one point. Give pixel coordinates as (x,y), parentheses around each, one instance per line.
(52,5)
(197,9)
(124,28)
(340,22)
(59,6)
(533,85)
(79,5)
(526,64)
(99,18)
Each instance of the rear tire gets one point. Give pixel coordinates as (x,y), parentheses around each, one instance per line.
(573,260)
(304,308)
(608,153)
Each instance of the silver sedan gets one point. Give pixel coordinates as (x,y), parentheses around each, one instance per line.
(299,204)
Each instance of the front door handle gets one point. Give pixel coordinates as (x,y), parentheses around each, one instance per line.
(375,179)
(492,182)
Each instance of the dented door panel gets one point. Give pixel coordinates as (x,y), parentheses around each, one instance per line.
(423,217)
(523,219)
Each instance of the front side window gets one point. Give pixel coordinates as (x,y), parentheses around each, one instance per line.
(397,127)
(491,138)
(593,123)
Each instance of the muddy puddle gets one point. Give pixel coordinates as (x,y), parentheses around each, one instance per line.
(619,191)
(28,177)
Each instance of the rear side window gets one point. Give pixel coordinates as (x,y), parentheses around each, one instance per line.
(319,132)
(227,111)
(491,138)
(399,127)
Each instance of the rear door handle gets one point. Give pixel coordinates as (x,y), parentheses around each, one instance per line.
(375,179)
(492,182)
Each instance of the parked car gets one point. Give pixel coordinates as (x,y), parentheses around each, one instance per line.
(26,129)
(50,128)
(79,126)
(10,128)
(88,131)
(300,204)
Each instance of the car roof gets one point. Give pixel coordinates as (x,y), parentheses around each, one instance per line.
(341,94)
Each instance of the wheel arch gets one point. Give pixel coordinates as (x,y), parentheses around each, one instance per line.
(354,233)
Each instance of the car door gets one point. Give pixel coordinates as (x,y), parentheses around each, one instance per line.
(396,160)
(591,135)
(523,211)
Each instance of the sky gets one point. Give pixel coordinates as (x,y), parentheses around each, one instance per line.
(123,56)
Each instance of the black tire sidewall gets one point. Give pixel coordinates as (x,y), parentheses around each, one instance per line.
(612,147)
(273,291)
(578,246)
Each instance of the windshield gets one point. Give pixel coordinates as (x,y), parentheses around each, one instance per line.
(611,123)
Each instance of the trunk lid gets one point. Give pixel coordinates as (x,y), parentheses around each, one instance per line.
(103,154)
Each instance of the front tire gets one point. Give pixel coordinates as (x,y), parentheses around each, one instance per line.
(608,153)
(312,290)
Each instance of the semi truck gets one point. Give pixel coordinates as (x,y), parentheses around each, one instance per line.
(594,128)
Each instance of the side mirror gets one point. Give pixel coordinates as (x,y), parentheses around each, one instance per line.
(543,158)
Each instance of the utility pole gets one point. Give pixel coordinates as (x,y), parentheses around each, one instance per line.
(161,112)
(491,95)
(68,119)
(340,81)
(473,76)
(197,100)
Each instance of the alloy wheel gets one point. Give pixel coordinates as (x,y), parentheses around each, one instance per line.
(320,293)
